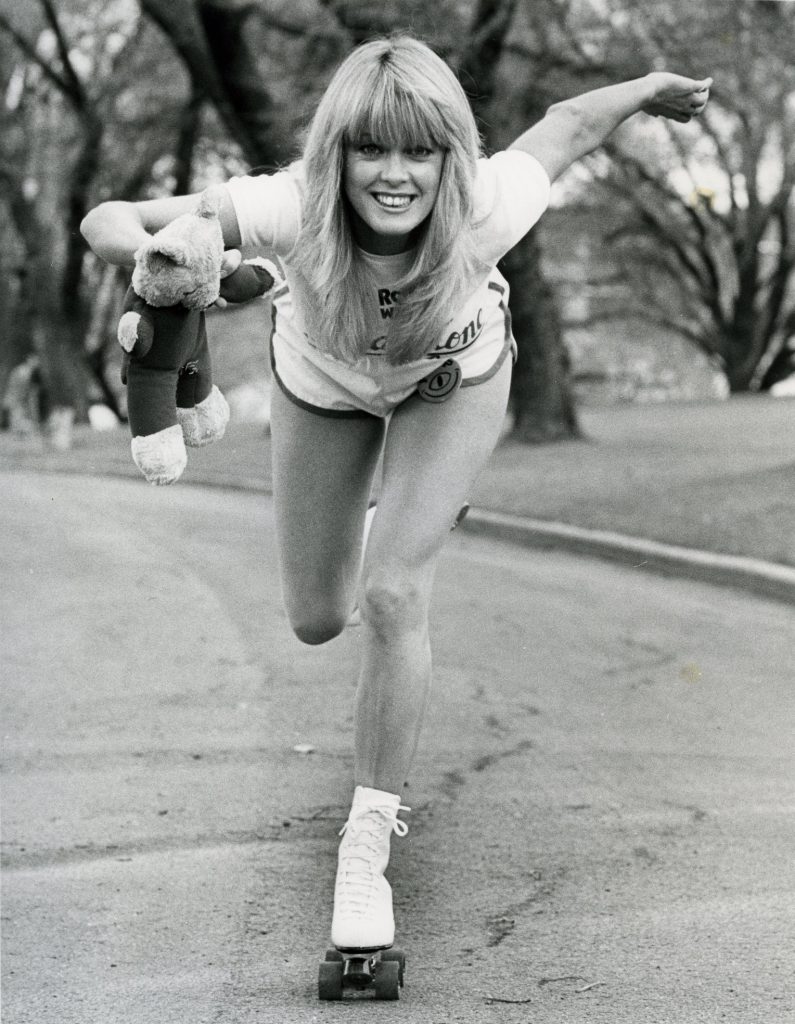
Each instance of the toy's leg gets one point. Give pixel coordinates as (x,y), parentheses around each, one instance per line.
(161,457)
(202,410)
(157,446)
(206,422)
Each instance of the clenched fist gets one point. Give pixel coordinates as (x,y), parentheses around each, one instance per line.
(677,97)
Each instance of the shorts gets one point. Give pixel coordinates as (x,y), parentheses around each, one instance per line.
(331,387)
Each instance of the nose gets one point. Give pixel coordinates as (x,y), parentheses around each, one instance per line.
(394,167)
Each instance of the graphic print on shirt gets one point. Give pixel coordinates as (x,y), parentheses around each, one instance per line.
(386,301)
(456,341)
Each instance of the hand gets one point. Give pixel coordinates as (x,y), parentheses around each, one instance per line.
(232,259)
(677,97)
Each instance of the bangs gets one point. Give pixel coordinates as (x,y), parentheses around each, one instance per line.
(390,115)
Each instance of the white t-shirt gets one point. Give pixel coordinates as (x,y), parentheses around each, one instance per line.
(511,193)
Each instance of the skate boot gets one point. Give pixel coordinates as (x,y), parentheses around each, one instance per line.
(363,918)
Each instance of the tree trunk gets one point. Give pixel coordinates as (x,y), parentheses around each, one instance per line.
(227,38)
(541,394)
(65,332)
(189,125)
(19,283)
(38,318)
(180,22)
(741,346)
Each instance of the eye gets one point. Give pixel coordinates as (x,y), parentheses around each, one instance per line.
(420,152)
(369,149)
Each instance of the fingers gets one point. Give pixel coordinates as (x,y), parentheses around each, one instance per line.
(700,96)
(698,104)
(682,99)
(693,104)
(699,86)
(231,261)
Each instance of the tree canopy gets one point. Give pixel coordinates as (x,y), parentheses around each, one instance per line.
(125,99)
(706,230)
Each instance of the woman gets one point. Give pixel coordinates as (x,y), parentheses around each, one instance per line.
(392,336)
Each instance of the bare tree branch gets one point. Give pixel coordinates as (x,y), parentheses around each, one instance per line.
(727,163)
(488,29)
(179,21)
(29,50)
(780,279)
(73,86)
(659,225)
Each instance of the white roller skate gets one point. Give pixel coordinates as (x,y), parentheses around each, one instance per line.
(363,925)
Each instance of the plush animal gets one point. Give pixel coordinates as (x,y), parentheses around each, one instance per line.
(171,399)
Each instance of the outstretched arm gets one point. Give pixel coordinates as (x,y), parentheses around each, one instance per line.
(115,230)
(575,127)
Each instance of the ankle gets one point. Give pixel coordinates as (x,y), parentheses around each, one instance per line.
(374,796)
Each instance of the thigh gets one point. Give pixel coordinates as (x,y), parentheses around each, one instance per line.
(432,456)
(322,474)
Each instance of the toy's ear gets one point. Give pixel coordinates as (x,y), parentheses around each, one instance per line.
(171,248)
(210,202)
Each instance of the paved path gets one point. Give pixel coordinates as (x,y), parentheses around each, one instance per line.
(602,821)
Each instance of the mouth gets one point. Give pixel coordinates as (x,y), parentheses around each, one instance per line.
(391,201)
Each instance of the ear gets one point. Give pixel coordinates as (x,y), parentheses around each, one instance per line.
(172,248)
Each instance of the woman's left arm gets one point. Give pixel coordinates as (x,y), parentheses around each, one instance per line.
(572,128)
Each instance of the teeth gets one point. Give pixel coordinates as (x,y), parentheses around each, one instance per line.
(393,201)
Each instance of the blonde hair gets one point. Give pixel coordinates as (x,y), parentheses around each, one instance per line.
(399,92)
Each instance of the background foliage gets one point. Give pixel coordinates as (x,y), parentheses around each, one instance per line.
(688,230)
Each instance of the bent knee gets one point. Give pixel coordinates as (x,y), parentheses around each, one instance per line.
(316,631)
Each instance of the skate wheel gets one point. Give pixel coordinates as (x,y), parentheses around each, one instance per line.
(387,979)
(399,957)
(334,955)
(329,982)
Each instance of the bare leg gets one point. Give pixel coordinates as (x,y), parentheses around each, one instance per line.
(433,454)
(322,470)
(322,474)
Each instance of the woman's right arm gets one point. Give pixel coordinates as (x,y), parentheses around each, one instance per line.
(115,230)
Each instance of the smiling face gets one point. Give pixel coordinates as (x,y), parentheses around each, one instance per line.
(391,190)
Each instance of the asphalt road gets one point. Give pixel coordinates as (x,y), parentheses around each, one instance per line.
(602,824)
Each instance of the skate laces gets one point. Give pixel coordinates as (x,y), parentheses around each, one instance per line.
(362,850)
(373,826)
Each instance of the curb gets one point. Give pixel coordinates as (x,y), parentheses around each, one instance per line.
(766,579)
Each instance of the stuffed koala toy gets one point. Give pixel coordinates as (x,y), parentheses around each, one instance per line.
(171,399)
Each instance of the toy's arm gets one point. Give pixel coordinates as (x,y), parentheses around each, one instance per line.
(252,278)
(136,330)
